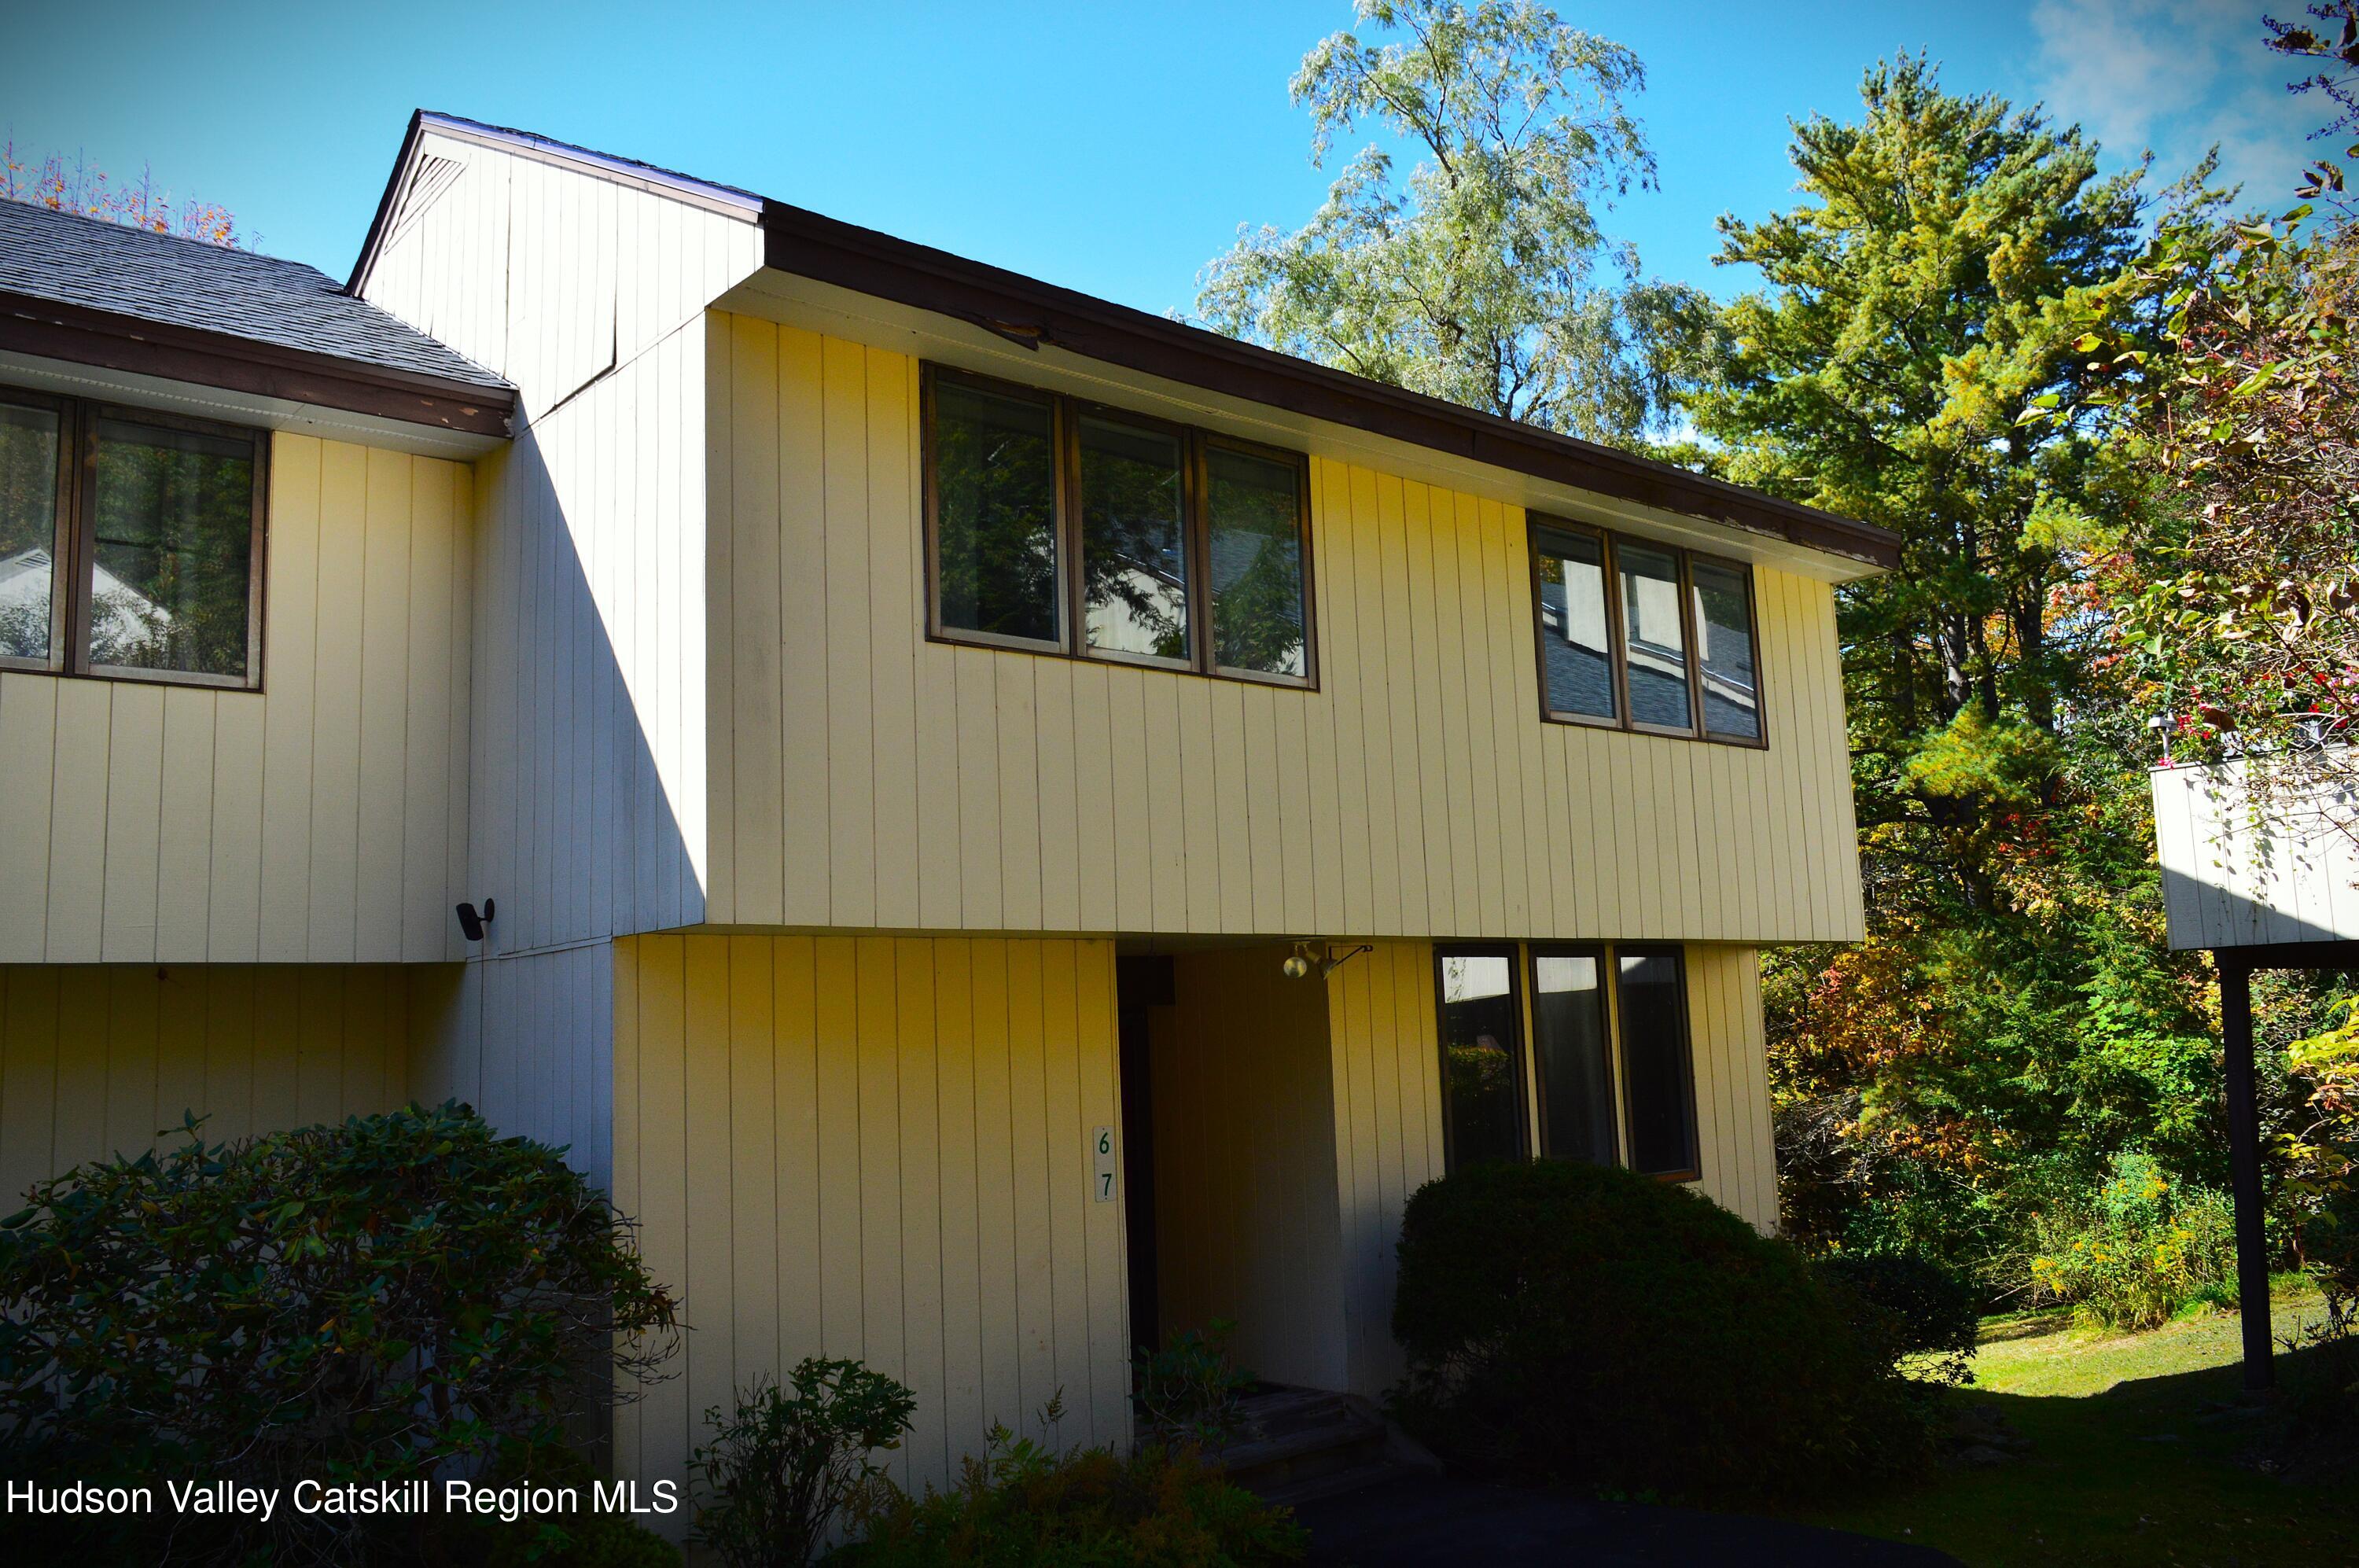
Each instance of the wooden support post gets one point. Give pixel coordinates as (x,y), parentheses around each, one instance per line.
(2244,1166)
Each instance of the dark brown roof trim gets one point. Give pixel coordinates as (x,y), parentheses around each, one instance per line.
(51,330)
(1028,311)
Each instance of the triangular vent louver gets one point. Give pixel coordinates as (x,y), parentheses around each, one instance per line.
(428,180)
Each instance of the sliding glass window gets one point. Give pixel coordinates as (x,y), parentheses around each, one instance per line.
(1651,998)
(1482,1056)
(1644,636)
(1572,1055)
(1576,631)
(1060,527)
(1134,540)
(1723,619)
(130,543)
(995,512)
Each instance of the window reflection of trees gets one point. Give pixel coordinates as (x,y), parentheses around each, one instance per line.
(28,521)
(173,537)
(1256,564)
(1134,540)
(996,537)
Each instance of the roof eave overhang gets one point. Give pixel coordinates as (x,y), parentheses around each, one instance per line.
(1032,313)
(51,330)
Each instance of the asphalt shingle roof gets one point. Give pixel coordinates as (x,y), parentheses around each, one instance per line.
(100,265)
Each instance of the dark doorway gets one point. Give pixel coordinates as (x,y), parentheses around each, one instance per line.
(1140,984)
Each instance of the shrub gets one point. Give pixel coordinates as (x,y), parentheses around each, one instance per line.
(1024,1504)
(784,1462)
(373,1300)
(1920,1307)
(1578,1324)
(2138,1251)
(1188,1391)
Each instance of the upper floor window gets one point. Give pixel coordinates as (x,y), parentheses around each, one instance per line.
(1644,636)
(130,542)
(1062,527)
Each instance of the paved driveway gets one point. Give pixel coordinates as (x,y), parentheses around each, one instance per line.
(1438,1521)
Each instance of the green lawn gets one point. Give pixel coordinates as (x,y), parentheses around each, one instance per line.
(2125,1463)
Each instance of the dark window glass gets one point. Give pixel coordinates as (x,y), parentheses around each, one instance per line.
(1575,631)
(173,530)
(1570,1055)
(1479,1058)
(1134,540)
(1723,618)
(28,529)
(1654,1064)
(1254,506)
(996,513)
(1656,646)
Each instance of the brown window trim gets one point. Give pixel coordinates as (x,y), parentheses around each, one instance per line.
(1677,953)
(1073,640)
(1536,524)
(1521,1048)
(75,545)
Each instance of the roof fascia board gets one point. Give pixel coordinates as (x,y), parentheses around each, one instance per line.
(1029,313)
(48,328)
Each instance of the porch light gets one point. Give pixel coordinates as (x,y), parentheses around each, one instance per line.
(1303,962)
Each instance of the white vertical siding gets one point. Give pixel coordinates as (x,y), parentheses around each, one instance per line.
(105,1059)
(865,776)
(310,821)
(2239,871)
(874,1148)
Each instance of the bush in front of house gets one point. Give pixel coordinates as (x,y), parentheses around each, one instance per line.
(1189,1391)
(1024,1503)
(2139,1250)
(376,1300)
(786,1459)
(1581,1325)
(1926,1314)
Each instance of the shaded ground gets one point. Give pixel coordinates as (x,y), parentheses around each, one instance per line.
(1444,1521)
(2130,1449)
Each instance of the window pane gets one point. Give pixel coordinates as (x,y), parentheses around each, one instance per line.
(996,512)
(174,531)
(1655,1061)
(1569,1053)
(1257,560)
(1732,696)
(1478,1057)
(1574,638)
(1650,625)
(28,528)
(1134,540)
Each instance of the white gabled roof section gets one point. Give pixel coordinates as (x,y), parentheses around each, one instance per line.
(551,264)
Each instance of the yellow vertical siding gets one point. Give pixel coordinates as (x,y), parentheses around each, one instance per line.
(876,1148)
(1247,1223)
(870,777)
(310,821)
(102,1058)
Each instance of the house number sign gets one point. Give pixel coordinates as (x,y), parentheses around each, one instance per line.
(1101,1150)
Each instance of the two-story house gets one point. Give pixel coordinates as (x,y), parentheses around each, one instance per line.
(1012,825)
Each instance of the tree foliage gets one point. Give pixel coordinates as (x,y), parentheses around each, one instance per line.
(1485,276)
(83,188)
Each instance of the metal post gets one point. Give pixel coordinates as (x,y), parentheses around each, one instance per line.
(2244,1165)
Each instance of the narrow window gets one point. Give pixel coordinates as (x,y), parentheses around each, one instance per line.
(1725,654)
(1570,1052)
(171,580)
(1658,1077)
(1481,1051)
(995,555)
(1253,554)
(1576,634)
(32,441)
(1655,637)
(1133,541)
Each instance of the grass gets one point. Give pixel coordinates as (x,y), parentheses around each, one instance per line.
(2140,1451)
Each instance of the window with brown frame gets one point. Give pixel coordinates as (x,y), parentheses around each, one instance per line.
(1592,1039)
(130,542)
(1057,526)
(1639,636)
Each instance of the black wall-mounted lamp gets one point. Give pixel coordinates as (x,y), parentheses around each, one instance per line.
(471,924)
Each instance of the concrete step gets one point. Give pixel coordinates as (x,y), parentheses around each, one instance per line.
(1296,1444)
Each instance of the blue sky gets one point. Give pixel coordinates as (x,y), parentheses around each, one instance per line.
(1111,147)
